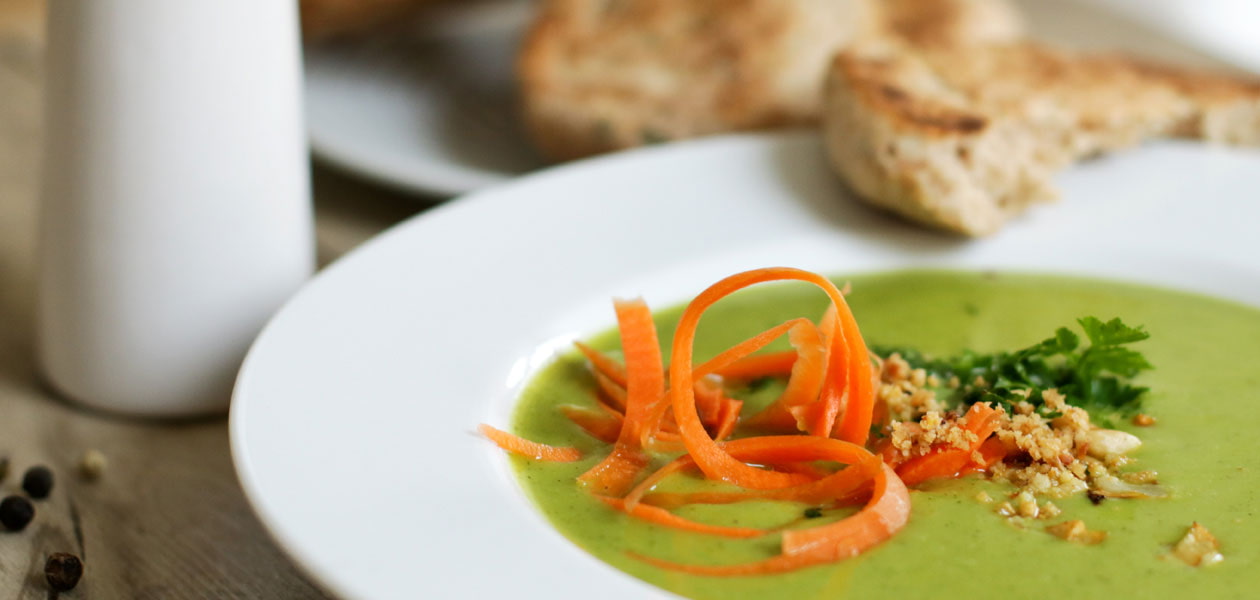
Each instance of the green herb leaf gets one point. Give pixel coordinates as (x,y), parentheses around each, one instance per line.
(1064,341)
(1121,361)
(1095,377)
(1111,333)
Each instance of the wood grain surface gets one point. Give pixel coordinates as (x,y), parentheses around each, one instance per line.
(167,519)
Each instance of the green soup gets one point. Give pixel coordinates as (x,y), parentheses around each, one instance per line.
(1203,393)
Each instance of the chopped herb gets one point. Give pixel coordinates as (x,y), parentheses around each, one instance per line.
(1095,377)
(813,512)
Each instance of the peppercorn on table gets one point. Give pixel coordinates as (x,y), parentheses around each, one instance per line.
(151,509)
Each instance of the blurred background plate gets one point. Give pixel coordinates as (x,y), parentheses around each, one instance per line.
(431,108)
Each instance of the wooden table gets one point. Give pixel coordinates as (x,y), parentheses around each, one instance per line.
(167,519)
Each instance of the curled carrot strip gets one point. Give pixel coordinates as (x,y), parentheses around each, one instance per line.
(982,421)
(805,381)
(708,391)
(528,449)
(783,449)
(829,395)
(742,350)
(774,419)
(645,376)
(885,514)
(705,389)
(661,516)
(603,364)
(666,442)
(809,370)
(728,418)
(669,500)
(839,488)
(803,468)
(855,426)
(760,365)
(819,418)
(614,392)
(712,460)
(710,401)
(990,453)
(608,410)
(599,423)
(675,466)
(645,383)
(617,472)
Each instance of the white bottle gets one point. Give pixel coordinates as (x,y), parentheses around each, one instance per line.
(175,212)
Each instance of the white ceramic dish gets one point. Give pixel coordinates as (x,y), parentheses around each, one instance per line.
(433,109)
(353,415)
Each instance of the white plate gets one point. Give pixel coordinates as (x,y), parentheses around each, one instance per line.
(433,110)
(352,419)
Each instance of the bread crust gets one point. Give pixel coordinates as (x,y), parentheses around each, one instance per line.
(966,137)
(603,75)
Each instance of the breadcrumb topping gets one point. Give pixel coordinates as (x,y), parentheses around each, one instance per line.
(1076,531)
(1053,451)
(905,391)
(933,430)
(1198,547)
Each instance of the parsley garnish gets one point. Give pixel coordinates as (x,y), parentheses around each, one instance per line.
(1095,377)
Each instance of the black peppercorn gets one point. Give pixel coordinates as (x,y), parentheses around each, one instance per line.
(16,512)
(813,512)
(63,571)
(38,482)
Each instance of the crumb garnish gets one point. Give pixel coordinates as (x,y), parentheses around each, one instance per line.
(1053,446)
(1075,531)
(1198,547)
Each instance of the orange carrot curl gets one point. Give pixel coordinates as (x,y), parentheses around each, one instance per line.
(529,449)
(823,417)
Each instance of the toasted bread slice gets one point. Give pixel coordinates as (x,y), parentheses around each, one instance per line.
(601,75)
(947,23)
(965,137)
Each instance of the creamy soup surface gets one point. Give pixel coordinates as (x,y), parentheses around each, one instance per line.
(1204,391)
